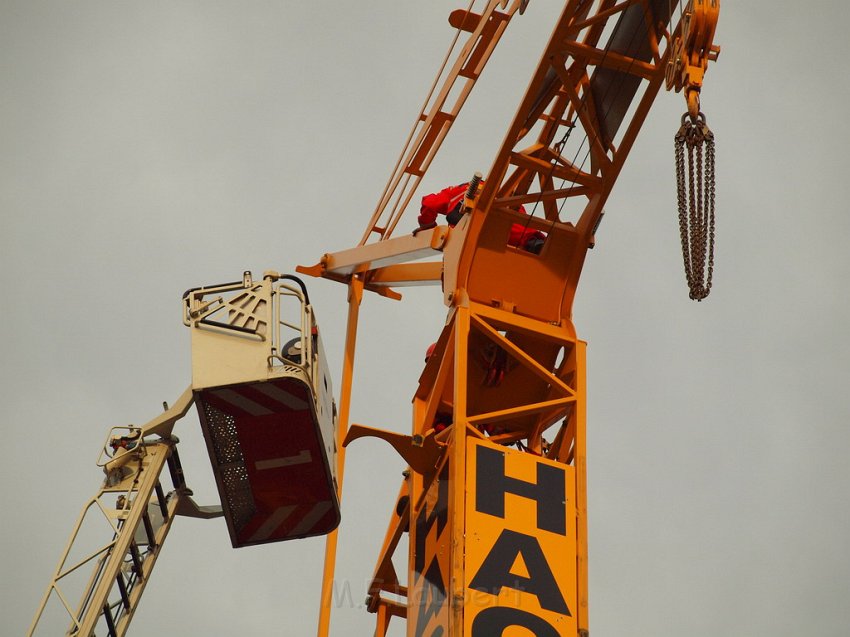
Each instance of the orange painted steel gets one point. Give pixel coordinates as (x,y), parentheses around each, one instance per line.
(693,50)
(355,296)
(438,113)
(491,544)
(451,540)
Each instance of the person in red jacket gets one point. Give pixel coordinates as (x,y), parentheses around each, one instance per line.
(449,202)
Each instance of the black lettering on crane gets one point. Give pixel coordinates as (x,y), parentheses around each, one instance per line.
(492,622)
(495,571)
(425,521)
(432,595)
(432,599)
(491,486)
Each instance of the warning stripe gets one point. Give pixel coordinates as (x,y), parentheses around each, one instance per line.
(257,399)
(281,395)
(311,515)
(238,400)
(270,525)
(252,393)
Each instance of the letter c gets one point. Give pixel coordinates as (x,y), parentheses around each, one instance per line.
(491,622)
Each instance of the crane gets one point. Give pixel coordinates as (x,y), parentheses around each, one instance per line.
(494,498)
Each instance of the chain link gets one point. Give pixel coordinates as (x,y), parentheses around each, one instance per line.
(695,192)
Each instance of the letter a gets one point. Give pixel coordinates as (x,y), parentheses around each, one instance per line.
(495,572)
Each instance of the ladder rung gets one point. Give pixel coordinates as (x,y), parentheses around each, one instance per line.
(137,559)
(160,496)
(110,622)
(122,588)
(146,520)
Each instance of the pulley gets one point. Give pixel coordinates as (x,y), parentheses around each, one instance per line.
(691,50)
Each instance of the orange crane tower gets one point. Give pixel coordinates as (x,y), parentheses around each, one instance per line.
(497,534)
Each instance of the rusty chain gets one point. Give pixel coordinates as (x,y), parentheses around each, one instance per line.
(695,190)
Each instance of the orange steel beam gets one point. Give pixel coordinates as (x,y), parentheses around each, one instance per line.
(434,121)
(579,460)
(355,295)
(593,56)
(407,274)
(395,251)
(385,578)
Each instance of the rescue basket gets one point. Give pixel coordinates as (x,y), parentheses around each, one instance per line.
(265,402)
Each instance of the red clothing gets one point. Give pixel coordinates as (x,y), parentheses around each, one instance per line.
(520,235)
(449,200)
(441,203)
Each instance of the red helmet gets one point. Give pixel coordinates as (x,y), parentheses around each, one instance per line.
(430,351)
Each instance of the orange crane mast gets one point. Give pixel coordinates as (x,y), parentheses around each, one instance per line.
(498,536)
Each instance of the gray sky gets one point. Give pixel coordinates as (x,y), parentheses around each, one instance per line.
(149,147)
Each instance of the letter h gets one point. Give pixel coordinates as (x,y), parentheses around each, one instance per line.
(491,486)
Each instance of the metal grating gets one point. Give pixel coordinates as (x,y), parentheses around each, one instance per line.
(222,429)
(229,465)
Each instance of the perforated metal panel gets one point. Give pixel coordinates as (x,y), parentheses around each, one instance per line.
(230,471)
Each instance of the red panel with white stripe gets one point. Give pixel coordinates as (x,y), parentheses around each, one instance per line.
(283,455)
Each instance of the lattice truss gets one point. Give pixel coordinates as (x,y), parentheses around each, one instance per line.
(587,101)
(500,376)
(114,545)
(574,126)
(520,379)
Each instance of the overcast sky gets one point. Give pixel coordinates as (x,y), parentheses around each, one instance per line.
(149,147)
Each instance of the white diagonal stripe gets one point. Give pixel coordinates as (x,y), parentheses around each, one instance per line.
(275,520)
(309,520)
(238,400)
(280,395)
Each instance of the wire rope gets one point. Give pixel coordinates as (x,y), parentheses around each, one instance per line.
(581,105)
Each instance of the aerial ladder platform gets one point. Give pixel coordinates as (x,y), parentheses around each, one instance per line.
(263,393)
